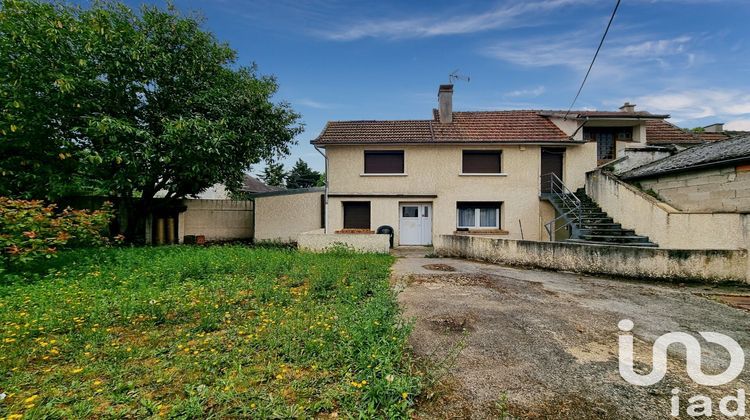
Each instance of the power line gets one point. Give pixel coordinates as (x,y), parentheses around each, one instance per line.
(611,18)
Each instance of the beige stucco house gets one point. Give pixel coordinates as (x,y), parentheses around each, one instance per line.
(468,172)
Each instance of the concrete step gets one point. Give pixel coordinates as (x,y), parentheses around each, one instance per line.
(615,239)
(607,231)
(638,244)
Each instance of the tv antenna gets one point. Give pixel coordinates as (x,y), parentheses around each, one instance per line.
(454,75)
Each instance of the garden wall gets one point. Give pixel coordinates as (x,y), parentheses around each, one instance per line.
(280,216)
(709,266)
(217,220)
(318,241)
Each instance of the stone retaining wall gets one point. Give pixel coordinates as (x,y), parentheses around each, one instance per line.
(710,266)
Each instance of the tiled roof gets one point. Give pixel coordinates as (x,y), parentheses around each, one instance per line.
(602,114)
(479,126)
(251,184)
(489,126)
(498,126)
(662,132)
(712,136)
(392,131)
(713,153)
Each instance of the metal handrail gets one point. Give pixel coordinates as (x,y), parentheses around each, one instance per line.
(558,190)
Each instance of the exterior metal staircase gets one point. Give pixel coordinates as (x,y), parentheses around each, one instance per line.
(582,219)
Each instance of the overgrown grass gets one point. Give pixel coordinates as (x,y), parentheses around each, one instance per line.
(204,332)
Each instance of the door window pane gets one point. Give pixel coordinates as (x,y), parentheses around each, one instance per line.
(426,212)
(410,211)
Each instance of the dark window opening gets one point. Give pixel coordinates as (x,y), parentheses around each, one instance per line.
(384,162)
(606,139)
(356,215)
(481,162)
(480,214)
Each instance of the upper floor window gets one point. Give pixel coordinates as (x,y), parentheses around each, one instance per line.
(384,161)
(606,139)
(617,133)
(482,162)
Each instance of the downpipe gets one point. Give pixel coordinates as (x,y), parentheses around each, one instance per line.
(325,191)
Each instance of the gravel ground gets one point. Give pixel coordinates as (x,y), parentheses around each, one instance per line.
(539,344)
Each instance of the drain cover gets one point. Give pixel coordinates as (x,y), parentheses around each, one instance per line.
(438,267)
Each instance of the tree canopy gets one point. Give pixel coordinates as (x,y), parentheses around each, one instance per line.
(302,176)
(110,101)
(274,175)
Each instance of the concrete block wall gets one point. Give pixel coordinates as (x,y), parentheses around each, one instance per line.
(711,190)
(664,224)
(318,241)
(709,266)
(217,220)
(281,216)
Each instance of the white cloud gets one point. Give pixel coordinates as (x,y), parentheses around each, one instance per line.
(310,103)
(526,93)
(568,51)
(698,103)
(508,15)
(738,125)
(659,47)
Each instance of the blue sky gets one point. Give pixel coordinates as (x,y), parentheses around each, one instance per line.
(341,60)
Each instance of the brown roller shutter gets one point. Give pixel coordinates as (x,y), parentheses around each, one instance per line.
(356,215)
(481,162)
(384,162)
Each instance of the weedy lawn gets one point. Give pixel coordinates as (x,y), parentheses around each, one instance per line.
(204,332)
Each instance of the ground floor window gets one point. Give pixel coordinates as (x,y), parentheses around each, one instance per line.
(479,214)
(356,214)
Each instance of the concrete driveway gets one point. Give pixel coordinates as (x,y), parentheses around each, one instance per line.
(539,344)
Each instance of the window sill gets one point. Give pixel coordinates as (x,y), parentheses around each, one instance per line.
(490,231)
(383,174)
(480,174)
(355,231)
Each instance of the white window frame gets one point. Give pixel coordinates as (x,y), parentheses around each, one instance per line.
(477,218)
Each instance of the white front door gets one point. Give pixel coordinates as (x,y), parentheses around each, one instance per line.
(415,227)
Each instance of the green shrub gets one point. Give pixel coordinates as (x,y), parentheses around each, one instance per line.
(31,229)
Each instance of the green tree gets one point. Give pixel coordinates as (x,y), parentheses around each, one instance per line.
(273,174)
(108,101)
(302,176)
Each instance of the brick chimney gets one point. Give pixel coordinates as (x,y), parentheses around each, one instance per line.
(445,103)
(714,128)
(627,107)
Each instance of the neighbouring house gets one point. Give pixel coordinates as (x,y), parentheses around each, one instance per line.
(500,173)
(253,185)
(712,177)
(250,185)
